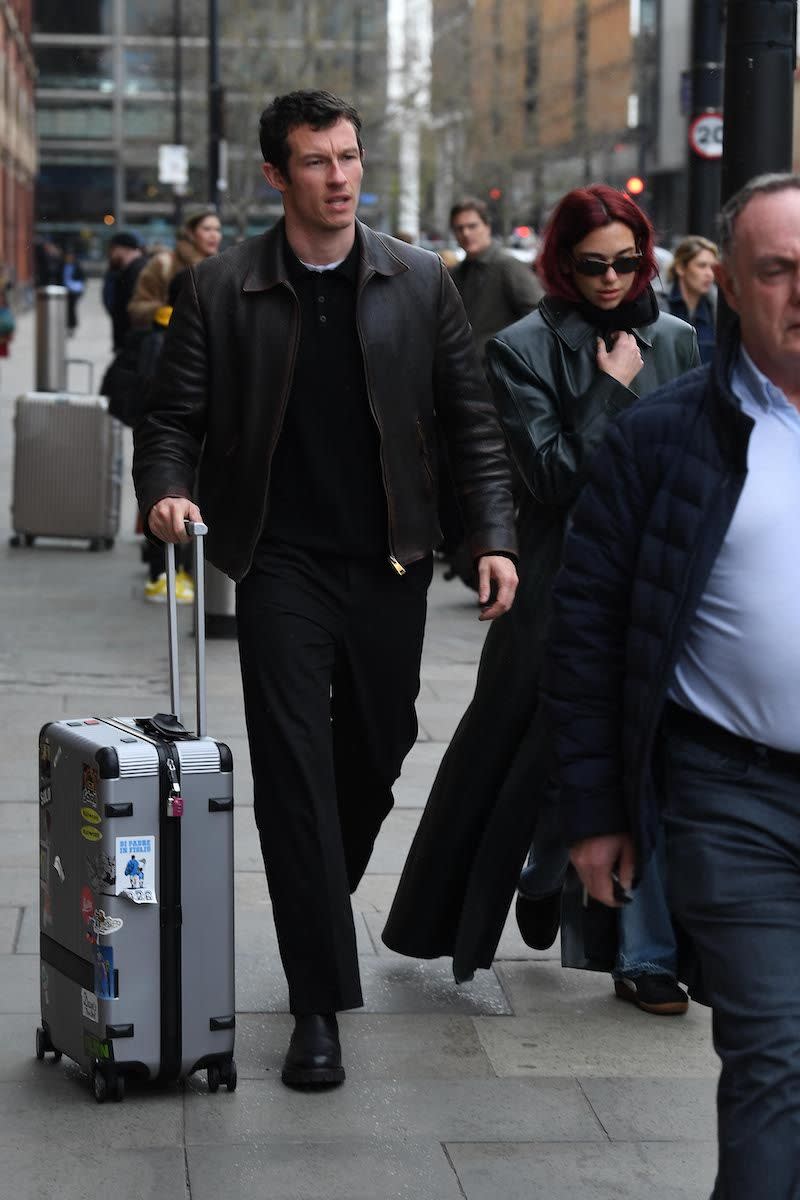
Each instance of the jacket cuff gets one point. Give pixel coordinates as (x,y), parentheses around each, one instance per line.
(591,816)
(497,540)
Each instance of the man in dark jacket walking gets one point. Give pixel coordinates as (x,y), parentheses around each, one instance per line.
(496,288)
(307,371)
(673,677)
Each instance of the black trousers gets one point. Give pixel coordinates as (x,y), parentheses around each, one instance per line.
(330,650)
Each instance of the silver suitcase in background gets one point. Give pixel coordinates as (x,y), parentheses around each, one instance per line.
(67,469)
(136,890)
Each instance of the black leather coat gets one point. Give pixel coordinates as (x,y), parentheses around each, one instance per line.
(555,406)
(225,377)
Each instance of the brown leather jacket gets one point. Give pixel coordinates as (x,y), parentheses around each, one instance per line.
(225,376)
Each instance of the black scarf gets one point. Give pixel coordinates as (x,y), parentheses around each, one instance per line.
(629,315)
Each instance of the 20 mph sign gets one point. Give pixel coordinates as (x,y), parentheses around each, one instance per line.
(705,135)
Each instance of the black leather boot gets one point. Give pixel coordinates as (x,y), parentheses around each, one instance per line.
(314,1057)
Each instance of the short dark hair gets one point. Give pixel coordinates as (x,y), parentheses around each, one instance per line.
(470,204)
(577,215)
(318,109)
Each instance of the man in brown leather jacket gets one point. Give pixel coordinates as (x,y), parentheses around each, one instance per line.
(302,378)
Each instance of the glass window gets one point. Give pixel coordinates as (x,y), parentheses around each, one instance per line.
(88,16)
(86,67)
(141,185)
(152,121)
(74,119)
(155,18)
(149,69)
(75,191)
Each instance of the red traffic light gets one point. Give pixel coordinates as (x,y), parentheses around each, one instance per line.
(523,231)
(495,193)
(634,186)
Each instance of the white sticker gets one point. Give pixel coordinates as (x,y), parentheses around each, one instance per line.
(136,868)
(105,925)
(89,1006)
(59,870)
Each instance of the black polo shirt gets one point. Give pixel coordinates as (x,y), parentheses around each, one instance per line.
(326,490)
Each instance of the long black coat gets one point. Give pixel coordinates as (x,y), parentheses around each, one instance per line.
(464,863)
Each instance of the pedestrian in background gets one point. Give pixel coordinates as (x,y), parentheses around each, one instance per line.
(496,288)
(559,376)
(150,309)
(693,293)
(125,261)
(673,677)
(199,238)
(305,372)
(74,280)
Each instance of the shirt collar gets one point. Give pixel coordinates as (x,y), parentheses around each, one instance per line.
(749,382)
(348,269)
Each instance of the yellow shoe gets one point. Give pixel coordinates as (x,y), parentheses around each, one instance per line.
(184,588)
(155,590)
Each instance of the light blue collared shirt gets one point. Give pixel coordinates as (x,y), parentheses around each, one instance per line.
(740,665)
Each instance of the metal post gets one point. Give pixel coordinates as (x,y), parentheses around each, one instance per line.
(705,170)
(759,75)
(178,110)
(215,131)
(51,339)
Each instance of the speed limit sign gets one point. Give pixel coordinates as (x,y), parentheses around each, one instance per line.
(705,135)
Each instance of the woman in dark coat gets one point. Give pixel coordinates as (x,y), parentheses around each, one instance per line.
(596,342)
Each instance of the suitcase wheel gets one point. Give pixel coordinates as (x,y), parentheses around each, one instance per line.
(108,543)
(96,544)
(43,1044)
(30,538)
(104,1088)
(230,1076)
(15,540)
(213,1075)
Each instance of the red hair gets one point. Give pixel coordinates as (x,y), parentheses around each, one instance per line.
(578,214)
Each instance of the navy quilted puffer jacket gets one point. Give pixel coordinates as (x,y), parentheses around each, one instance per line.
(646,532)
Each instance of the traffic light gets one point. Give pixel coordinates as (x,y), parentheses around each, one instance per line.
(635,185)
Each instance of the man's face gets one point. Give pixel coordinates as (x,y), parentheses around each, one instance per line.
(698,274)
(471,232)
(324,177)
(761,280)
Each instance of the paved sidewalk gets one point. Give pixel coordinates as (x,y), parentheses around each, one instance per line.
(530,1082)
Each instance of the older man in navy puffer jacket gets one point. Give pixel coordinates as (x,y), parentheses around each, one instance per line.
(674,678)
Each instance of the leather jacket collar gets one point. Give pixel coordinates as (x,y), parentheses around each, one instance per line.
(269,267)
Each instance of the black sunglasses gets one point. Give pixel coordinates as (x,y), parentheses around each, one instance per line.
(626,265)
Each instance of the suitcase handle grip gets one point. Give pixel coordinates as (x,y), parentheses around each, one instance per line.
(196,530)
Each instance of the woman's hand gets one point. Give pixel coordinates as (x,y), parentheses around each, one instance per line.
(623,361)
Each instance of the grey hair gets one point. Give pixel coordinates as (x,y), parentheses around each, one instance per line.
(760,185)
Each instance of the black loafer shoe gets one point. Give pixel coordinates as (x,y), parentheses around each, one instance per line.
(539,920)
(657,994)
(314,1057)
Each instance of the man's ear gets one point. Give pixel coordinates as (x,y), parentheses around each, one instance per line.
(273,176)
(727,285)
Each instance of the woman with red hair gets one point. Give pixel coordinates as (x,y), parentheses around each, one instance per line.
(559,375)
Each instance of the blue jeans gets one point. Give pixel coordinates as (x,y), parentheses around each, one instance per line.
(733,848)
(646,937)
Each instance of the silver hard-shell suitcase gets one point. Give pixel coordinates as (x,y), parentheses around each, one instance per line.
(136,889)
(67,469)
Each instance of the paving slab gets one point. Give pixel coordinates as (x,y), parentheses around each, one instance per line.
(374,1046)
(28,937)
(444,1110)
(654,1110)
(19,992)
(21,817)
(18,848)
(622,1171)
(389,986)
(374,1169)
(81,1173)
(10,922)
(60,1104)
(570,1022)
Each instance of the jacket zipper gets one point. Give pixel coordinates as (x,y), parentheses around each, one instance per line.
(395,563)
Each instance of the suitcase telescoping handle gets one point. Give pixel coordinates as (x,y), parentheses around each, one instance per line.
(197,531)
